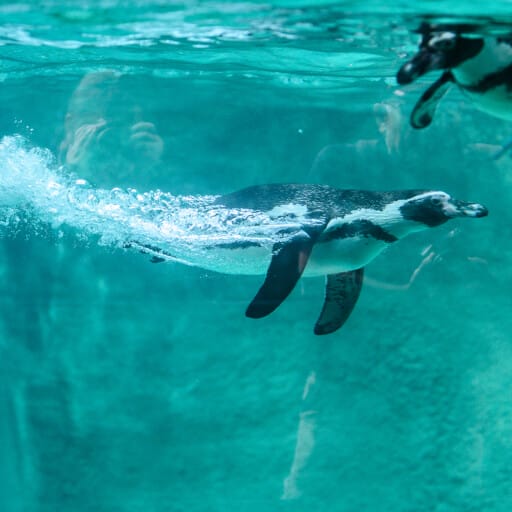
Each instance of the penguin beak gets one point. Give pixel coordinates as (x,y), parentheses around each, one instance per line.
(464,209)
(423,62)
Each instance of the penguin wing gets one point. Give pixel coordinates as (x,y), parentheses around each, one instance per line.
(341,293)
(288,261)
(424,110)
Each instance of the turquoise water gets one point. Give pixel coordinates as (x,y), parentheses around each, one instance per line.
(130,386)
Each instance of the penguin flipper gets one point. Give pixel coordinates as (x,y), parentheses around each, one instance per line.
(341,293)
(288,262)
(424,110)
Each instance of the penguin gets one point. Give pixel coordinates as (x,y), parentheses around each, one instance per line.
(480,66)
(294,230)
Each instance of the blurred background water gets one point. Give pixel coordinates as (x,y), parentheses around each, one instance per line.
(127,386)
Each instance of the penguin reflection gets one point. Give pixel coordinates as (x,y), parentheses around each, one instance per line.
(108,139)
(362,162)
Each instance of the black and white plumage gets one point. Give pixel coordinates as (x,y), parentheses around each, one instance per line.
(319,230)
(480,66)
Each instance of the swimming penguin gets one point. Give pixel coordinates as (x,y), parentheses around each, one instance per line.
(317,230)
(480,66)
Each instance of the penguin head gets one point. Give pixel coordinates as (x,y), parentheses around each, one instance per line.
(441,47)
(434,208)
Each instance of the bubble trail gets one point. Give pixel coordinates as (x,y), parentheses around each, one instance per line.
(34,189)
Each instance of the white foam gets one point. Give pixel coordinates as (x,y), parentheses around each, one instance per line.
(184,226)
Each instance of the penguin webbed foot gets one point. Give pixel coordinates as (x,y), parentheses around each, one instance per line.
(341,293)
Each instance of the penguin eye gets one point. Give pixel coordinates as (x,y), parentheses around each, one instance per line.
(443,42)
(436,201)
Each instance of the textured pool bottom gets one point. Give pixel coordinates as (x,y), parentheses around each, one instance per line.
(122,391)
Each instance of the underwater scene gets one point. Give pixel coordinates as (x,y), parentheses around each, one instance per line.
(255,256)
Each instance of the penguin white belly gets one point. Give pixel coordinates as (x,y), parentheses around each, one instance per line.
(343,255)
(239,261)
(496,102)
(332,257)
